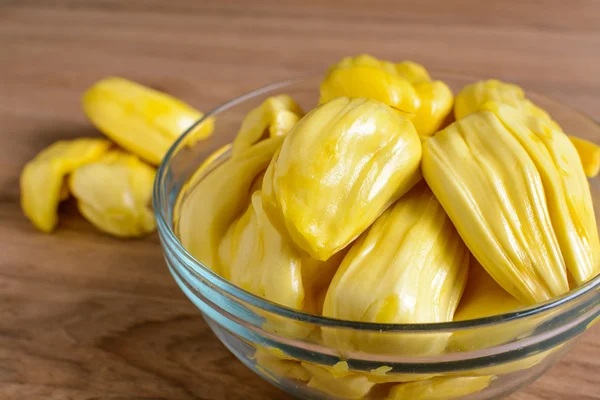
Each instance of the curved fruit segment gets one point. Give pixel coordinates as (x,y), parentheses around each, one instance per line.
(567,190)
(483,297)
(274,117)
(114,194)
(341,386)
(589,153)
(365,76)
(142,120)
(412,72)
(278,365)
(440,388)
(220,197)
(42,179)
(473,98)
(409,267)
(337,170)
(492,191)
(258,259)
(436,104)
(405,86)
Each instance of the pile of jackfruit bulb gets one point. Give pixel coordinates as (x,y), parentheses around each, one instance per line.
(394,201)
(111,179)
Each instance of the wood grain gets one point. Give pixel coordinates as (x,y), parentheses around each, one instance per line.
(86,316)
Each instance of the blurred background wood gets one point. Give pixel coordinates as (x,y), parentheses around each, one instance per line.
(86,316)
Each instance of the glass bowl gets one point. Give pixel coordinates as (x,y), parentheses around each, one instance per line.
(479,359)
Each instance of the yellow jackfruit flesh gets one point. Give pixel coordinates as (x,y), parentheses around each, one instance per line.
(405,86)
(218,199)
(142,120)
(278,365)
(43,178)
(340,166)
(589,153)
(114,194)
(258,259)
(412,72)
(440,388)
(410,266)
(483,297)
(567,191)
(493,193)
(365,76)
(436,103)
(472,98)
(342,386)
(274,117)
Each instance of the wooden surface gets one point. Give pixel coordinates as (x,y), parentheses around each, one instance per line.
(86,316)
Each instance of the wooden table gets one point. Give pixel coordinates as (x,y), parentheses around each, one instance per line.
(86,316)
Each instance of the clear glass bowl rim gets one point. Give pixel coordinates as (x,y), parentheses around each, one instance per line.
(171,239)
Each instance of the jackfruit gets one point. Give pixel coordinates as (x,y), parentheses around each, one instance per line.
(405,86)
(472,98)
(114,194)
(274,117)
(276,364)
(410,266)
(142,120)
(342,386)
(483,297)
(338,169)
(589,153)
(43,178)
(412,72)
(365,76)
(208,208)
(567,191)
(494,195)
(258,259)
(440,388)
(436,101)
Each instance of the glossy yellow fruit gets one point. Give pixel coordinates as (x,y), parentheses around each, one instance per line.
(258,259)
(114,194)
(472,98)
(142,120)
(218,199)
(365,76)
(410,266)
(440,388)
(42,179)
(492,191)
(274,117)
(483,297)
(567,191)
(340,385)
(405,86)
(412,72)
(589,153)
(277,365)
(436,103)
(342,165)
